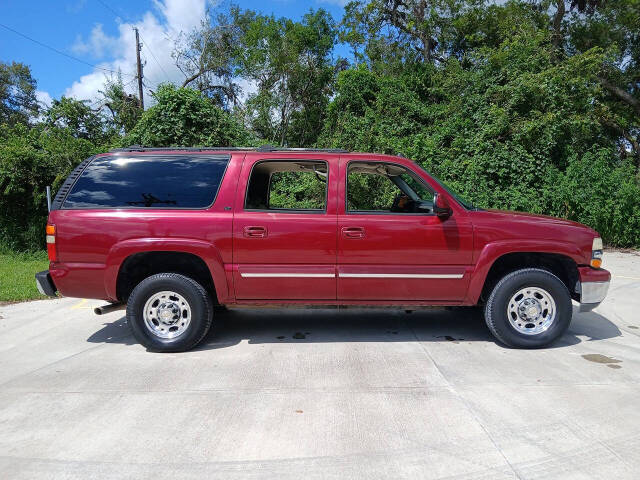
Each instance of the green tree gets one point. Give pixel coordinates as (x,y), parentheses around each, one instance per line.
(391,31)
(207,56)
(18,102)
(184,117)
(290,64)
(123,107)
(614,27)
(78,118)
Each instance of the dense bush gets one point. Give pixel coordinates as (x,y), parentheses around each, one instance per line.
(512,131)
(31,159)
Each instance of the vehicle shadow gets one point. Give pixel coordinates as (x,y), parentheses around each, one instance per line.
(314,325)
(113,332)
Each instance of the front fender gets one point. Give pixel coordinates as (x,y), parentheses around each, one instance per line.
(494,250)
(206,251)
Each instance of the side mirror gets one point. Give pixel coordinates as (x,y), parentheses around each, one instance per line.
(441,207)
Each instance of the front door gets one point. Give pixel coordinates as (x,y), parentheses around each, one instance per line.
(391,246)
(284,229)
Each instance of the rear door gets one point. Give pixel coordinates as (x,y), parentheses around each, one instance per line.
(284,228)
(391,247)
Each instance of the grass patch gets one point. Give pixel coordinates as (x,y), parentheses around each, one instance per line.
(17,275)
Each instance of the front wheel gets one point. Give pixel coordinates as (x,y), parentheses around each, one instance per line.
(529,308)
(169,312)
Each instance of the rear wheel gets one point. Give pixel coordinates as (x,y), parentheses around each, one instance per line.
(169,312)
(529,308)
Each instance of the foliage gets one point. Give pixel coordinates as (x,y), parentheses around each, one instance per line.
(297,190)
(207,57)
(182,116)
(124,107)
(527,104)
(18,102)
(411,30)
(291,66)
(31,159)
(370,192)
(514,130)
(79,118)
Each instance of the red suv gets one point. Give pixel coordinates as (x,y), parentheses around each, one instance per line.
(174,233)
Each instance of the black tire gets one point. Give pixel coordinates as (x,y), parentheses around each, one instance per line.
(198,300)
(496,315)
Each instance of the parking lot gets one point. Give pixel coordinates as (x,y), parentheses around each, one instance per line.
(319,393)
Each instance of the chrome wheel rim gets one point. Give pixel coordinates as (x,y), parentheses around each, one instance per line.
(531,310)
(167,314)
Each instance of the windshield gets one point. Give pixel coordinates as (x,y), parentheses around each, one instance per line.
(461,200)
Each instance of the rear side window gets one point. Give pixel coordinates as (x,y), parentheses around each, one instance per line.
(288,186)
(149,181)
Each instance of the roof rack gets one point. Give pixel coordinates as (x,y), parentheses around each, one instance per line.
(271,148)
(262,149)
(142,148)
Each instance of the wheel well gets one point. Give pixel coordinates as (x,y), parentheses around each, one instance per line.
(139,266)
(561,266)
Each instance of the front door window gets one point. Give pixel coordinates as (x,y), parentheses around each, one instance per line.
(374,187)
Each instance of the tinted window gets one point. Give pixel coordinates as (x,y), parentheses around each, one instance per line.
(169,181)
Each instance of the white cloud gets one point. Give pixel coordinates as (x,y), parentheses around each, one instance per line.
(158,29)
(247,88)
(341,3)
(97,45)
(182,14)
(44,99)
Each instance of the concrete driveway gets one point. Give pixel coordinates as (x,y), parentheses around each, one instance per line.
(322,394)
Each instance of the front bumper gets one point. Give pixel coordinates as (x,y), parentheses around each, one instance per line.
(592,287)
(45,284)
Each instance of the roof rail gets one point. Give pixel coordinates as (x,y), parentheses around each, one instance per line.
(271,148)
(142,148)
(262,148)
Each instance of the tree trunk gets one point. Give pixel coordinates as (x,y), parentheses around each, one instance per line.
(623,95)
(283,123)
(556,36)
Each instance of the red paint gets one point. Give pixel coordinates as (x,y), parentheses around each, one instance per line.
(588,274)
(444,260)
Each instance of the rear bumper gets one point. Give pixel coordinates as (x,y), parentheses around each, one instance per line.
(592,287)
(45,283)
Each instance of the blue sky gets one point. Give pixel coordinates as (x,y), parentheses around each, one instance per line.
(92,32)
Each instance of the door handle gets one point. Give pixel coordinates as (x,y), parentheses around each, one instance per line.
(255,232)
(353,232)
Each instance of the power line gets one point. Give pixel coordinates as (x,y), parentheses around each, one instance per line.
(108,7)
(62,53)
(130,82)
(146,77)
(154,57)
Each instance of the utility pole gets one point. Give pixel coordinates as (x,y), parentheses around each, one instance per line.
(138,48)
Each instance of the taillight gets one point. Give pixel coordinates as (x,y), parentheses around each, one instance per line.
(596,253)
(51,243)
